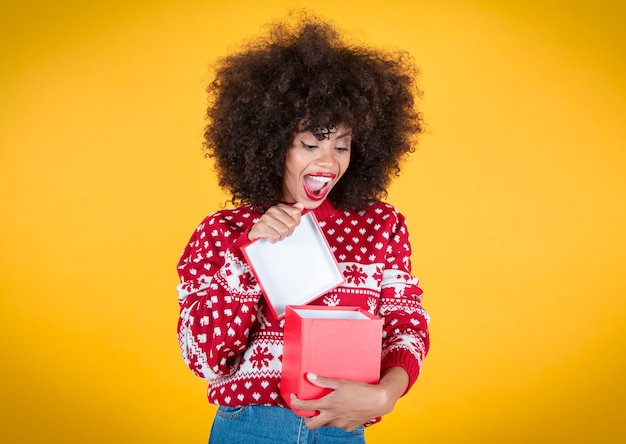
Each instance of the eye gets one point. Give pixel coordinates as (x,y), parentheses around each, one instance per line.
(342,148)
(307,146)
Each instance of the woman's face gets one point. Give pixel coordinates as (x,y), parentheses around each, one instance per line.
(314,163)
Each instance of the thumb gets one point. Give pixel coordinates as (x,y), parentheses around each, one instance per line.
(321,381)
(299,205)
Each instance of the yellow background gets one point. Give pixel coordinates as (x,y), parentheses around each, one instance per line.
(515,201)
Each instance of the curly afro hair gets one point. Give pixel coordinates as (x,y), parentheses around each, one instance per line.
(301,77)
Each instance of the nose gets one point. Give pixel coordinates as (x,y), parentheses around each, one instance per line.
(326,156)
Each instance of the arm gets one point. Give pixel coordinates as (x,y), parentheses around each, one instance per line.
(218,299)
(405,327)
(218,295)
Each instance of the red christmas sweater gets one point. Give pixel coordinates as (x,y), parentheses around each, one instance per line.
(226,331)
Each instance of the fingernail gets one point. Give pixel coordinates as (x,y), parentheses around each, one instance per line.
(312,376)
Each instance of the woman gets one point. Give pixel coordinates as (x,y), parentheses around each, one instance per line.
(301,121)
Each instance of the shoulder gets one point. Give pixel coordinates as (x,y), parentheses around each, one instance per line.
(227,215)
(233,219)
(381,211)
(376,213)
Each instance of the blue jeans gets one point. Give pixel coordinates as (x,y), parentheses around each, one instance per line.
(257,424)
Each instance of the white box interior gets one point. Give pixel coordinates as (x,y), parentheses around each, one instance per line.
(330,314)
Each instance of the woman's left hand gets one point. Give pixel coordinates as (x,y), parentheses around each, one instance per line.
(351,403)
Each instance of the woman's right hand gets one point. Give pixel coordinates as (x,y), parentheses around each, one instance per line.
(277,223)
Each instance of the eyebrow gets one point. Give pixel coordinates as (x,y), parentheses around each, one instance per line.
(346,134)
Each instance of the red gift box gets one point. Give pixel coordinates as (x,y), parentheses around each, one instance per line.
(297,269)
(336,342)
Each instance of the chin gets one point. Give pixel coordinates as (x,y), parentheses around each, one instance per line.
(312,204)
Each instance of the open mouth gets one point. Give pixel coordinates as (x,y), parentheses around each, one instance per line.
(317,185)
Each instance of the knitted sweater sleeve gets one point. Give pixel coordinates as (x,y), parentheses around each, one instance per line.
(218,298)
(405,327)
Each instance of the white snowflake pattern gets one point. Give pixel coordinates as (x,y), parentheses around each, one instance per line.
(332,301)
(372,304)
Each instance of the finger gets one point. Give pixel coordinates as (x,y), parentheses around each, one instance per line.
(324,382)
(286,215)
(283,220)
(323,420)
(265,229)
(277,223)
(313,422)
(294,212)
(301,404)
(276,230)
(273,227)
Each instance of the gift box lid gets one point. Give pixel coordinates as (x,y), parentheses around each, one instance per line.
(297,269)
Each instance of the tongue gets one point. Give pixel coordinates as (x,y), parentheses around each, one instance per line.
(313,185)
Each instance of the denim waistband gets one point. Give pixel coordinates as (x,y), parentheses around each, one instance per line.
(258,424)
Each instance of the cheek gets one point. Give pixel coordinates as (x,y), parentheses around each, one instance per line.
(293,162)
(290,173)
(344,165)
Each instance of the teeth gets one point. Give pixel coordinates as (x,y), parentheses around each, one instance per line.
(316,183)
(321,179)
